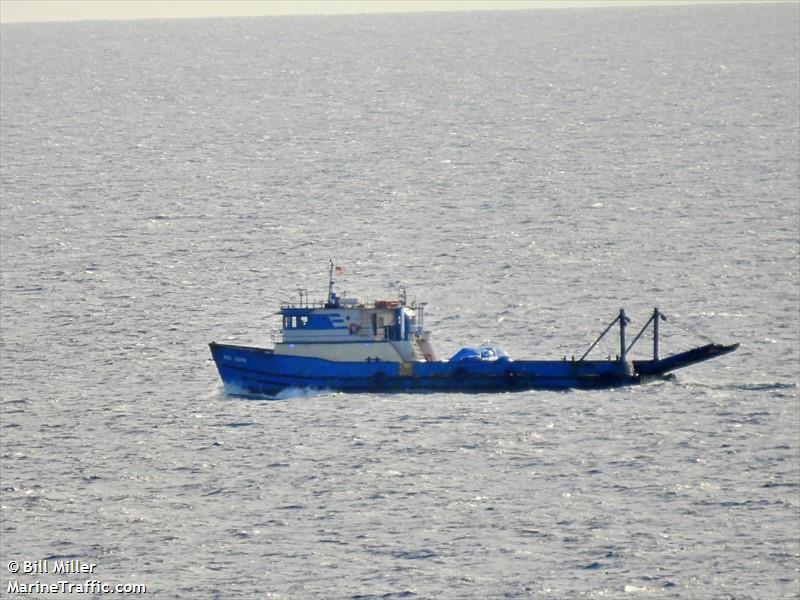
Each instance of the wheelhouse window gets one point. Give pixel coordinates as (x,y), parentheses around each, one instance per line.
(295,322)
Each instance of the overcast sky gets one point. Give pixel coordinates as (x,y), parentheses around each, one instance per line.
(12,11)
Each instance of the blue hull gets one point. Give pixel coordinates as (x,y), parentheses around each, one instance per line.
(260,371)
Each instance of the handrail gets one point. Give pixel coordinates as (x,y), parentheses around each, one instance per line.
(303,305)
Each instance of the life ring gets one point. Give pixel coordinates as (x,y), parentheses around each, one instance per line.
(354,328)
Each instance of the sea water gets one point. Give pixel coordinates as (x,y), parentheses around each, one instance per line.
(169,183)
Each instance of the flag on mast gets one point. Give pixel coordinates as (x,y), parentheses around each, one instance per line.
(340,270)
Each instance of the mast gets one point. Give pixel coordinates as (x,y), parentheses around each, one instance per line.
(623,321)
(656,319)
(331,303)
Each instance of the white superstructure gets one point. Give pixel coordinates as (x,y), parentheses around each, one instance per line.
(346,329)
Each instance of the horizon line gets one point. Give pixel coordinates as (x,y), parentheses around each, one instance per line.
(62,11)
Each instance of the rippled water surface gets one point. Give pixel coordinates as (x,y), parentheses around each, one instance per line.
(168,183)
